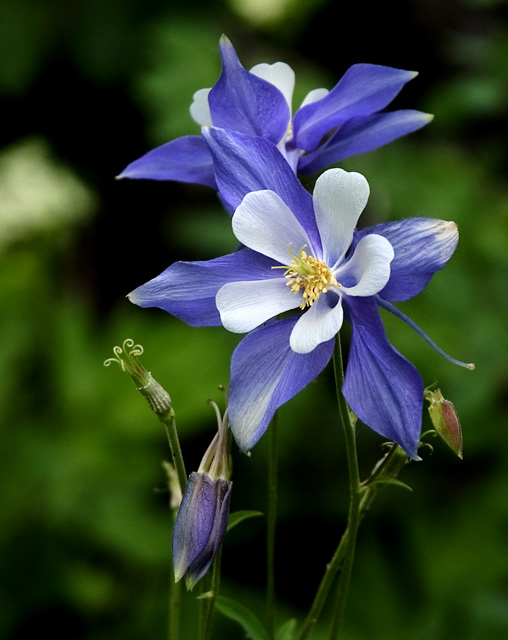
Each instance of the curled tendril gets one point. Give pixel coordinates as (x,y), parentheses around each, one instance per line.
(128,349)
(425,445)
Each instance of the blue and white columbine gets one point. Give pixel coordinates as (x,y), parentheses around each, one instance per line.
(310,271)
(303,255)
(328,127)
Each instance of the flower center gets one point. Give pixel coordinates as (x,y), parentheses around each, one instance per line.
(310,274)
(289,132)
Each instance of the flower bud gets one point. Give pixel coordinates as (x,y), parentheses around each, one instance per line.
(202,519)
(200,526)
(445,420)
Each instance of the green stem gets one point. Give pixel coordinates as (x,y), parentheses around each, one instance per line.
(271,526)
(175,596)
(361,498)
(344,554)
(176,452)
(210,601)
(175,590)
(324,588)
(384,468)
(389,466)
(355,491)
(204,592)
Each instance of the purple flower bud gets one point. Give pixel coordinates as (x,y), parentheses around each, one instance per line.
(200,526)
(445,420)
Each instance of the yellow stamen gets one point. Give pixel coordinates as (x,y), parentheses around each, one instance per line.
(310,274)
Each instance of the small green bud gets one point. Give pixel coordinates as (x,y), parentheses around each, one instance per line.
(445,420)
(157,397)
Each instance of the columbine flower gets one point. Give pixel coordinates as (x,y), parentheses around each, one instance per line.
(329,125)
(320,276)
(304,254)
(202,518)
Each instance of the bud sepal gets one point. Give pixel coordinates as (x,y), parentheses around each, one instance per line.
(445,420)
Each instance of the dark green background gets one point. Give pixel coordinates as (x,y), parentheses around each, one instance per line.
(88,87)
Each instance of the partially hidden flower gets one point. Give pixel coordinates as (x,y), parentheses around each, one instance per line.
(329,125)
(202,518)
(303,255)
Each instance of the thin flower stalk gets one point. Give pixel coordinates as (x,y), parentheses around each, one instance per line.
(354,494)
(159,401)
(271,518)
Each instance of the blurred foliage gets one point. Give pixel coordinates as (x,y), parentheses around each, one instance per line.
(86,88)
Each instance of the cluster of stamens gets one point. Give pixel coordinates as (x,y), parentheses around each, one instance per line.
(289,132)
(310,274)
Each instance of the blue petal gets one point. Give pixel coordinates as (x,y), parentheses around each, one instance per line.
(383,389)
(422,246)
(187,290)
(364,89)
(358,135)
(201,563)
(185,159)
(246,103)
(266,373)
(244,164)
(200,526)
(194,521)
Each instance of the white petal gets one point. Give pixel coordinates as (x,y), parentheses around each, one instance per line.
(369,266)
(245,305)
(280,75)
(264,223)
(319,324)
(200,109)
(314,96)
(339,199)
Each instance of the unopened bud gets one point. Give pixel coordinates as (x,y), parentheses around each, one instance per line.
(202,518)
(445,420)
(200,526)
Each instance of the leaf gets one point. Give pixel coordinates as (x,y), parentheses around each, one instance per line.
(239,613)
(239,516)
(287,630)
(385,480)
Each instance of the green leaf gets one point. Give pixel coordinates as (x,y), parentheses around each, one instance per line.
(287,630)
(384,480)
(237,612)
(239,516)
